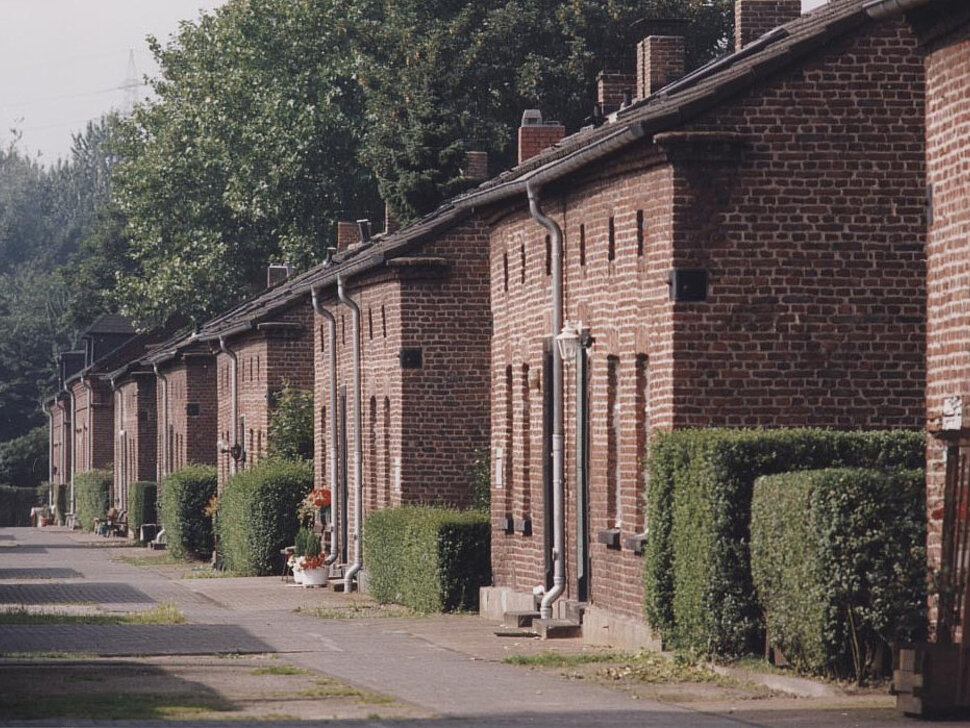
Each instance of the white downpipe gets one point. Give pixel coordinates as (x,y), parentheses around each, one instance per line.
(73,440)
(163,463)
(332,442)
(233,400)
(558,481)
(119,451)
(358,430)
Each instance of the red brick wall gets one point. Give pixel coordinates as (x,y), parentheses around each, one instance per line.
(422,426)
(192,411)
(60,434)
(948,256)
(266,360)
(101,430)
(135,434)
(812,233)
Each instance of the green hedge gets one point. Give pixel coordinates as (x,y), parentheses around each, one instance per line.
(257,514)
(429,559)
(838,559)
(15,504)
(142,506)
(185,493)
(92,496)
(697,576)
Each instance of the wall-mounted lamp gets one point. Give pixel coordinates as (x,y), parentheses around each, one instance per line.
(572,339)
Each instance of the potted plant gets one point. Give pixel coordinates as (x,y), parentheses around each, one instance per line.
(315,570)
(302,543)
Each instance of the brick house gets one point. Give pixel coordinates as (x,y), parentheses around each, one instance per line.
(741,246)
(943,30)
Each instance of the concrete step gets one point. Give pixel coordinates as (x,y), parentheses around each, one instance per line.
(550,629)
(519,618)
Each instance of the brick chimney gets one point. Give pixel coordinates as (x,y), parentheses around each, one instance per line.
(610,88)
(660,60)
(754,18)
(347,234)
(391,224)
(536,134)
(476,165)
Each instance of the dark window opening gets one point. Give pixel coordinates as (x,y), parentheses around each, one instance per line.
(548,255)
(639,233)
(582,245)
(612,240)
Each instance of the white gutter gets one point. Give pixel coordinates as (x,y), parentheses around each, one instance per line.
(89,444)
(558,481)
(881,9)
(50,455)
(332,365)
(163,463)
(234,400)
(73,430)
(358,431)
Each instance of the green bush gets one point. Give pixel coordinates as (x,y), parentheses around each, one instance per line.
(838,559)
(15,504)
(24,460)
(429,559)
(306,543)
(142,506)
(698,589)
(92,496)
(291,425)
(257,514)
(185,494)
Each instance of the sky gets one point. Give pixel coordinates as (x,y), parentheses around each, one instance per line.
(65,62)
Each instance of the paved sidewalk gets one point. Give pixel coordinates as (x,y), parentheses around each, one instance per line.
(446,664)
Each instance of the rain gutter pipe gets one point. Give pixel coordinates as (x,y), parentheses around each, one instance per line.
(233,399)
(50,454)
(89,444)
(73,432)
(558,481)
(163,461)
(332,442)
(358,428)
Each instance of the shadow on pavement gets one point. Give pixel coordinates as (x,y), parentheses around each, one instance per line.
(40,573)
(81,593)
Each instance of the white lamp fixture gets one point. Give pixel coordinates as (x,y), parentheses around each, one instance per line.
(568,340)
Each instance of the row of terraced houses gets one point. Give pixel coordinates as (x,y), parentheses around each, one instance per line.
(779,238)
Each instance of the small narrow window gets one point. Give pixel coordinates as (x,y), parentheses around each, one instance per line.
(612,240)
(582,245)
(522,269)
(343,330)
(370,323)
(257,368)
(643,435)
(383,322)
(526,444)
(639,233)
(612,443)
(505,271)
(509,436)
(321,338)
(548,255)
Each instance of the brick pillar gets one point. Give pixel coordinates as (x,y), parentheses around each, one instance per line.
(610,87)
(754,18)
(660,60)
(536,134)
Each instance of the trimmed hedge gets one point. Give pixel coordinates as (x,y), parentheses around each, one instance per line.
(838,559)
(257,515)
(697,577)
(185,493)
(429,559)
(92,496)
(142,505)
(15,504)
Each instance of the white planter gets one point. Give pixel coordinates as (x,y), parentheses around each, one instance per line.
(297,574)
(316,577)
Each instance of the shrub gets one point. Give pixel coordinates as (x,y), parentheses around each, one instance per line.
(291,425)
(15,505)
(257,514)
(838,559)
(185,494)
(92,496)
(306,543)
(698,589)
(429,559)
(142,506)
(480,480)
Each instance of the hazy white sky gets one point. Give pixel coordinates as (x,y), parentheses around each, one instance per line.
(63,62)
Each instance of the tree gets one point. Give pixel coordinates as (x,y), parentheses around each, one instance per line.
(443,76)
(249,155)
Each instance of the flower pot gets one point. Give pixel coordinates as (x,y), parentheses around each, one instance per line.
(316,577)
(297,574)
